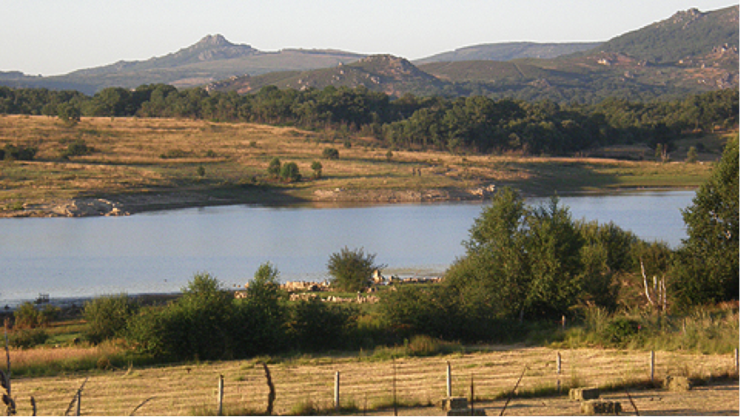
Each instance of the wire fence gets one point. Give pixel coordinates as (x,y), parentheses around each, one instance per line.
(241,386)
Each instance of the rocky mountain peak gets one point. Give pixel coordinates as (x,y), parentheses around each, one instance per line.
(211,41)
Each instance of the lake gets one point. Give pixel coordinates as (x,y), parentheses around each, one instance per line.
(159,252)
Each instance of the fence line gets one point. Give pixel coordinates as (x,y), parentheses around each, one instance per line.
(182,389)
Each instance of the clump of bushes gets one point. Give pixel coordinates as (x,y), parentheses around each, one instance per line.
(77,148)
(16,153)
(27,316)
(287,172)
(27,338)
(108,316)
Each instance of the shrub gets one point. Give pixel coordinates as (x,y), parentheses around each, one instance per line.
(290,173)
(259,320)
(316,167)
(351,270)
(330,153)
(273,170)
(620,329)
(692,155)
(107,316)
(77,148)
(69,113)
(13,152)
(28,338)
(27,316)
(207,323)
(316,325)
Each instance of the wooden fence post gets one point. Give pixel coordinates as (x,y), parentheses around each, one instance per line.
(652,367)
(79,402)
(736,360)
(220,395)
(449,380)
(336,391)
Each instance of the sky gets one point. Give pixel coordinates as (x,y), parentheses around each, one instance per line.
(49,37)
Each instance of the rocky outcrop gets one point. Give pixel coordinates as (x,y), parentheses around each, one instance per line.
(89,207)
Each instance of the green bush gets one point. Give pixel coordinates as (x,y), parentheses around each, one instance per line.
(208,323)
(27,316)
(108,316)
(315,325)
(289,172)
(77,148)
(13,152)
(351,270)
(28,338)
(620,330)
(273,170)
(330,153)
(316,167)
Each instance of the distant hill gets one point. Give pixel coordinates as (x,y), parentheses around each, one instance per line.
(386,73)
(690,52)
(684,36)
(508,51)
(212,58)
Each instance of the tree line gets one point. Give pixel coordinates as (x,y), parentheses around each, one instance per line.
(472,124)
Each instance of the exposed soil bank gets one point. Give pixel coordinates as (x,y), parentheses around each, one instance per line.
(123,205)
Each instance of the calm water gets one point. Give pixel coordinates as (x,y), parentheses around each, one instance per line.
(160,251)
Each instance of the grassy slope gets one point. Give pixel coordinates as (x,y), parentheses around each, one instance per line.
(190,388)
(127,164)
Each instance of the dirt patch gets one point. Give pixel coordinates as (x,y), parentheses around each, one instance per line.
(402,196)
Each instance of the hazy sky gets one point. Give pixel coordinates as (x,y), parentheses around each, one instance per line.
(58,36)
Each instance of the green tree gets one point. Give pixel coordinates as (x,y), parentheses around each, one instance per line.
(69,113)
(315,325)
(107,316)
(260,320)
(692,155)
(27,316)
(289,172)
(352,269)
(273,170)
(706,267)
(316,167)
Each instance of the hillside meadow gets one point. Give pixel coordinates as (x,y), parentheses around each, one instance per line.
(153,163)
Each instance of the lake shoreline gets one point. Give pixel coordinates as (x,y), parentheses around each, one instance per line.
(129,204)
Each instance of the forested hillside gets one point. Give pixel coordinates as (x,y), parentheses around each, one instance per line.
(474,124)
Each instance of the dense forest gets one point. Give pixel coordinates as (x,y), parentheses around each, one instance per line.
(473,124)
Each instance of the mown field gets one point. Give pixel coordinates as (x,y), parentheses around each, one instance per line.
(161,163)
(305,384)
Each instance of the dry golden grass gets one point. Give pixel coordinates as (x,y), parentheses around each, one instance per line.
(184,389)
(128,160)
(46,357)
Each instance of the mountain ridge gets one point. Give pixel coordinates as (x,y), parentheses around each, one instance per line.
(691,51)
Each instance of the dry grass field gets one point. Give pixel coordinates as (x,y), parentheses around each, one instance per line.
(153,163)
(306,383)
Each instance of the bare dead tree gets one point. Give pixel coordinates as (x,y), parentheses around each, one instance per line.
(659,298)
